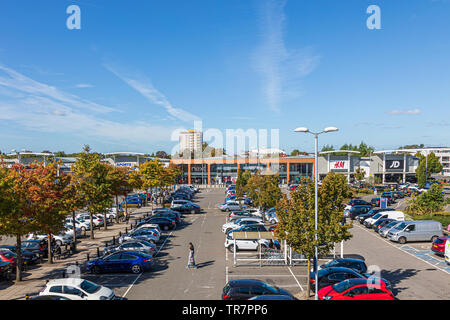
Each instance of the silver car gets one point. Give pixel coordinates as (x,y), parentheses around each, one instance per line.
(385,229)
(421,230)
(140,245)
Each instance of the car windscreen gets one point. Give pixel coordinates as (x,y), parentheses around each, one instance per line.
(401,226)
(341,286)
(375,217)
(89,287)
(392,224)
(9,254)
(30,244)
(269,288)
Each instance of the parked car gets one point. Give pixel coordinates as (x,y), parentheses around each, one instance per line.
(47,297)
(385,229)
(84,225)
(395,215)
(381,223)
(438,246)
(177,203)
(245,244)
(234,215)
(5,269)
(122,261)
(77,289)
(36,246)
(164,223)
(356,289)
(421,230)
(27,256)
(187,208)
(174,215)
(60,239)
(356,202)
(133,245)
(231,206)
(240,223)
(334,275)
(141,234)
(251,228)
(273,297)
(447,252)
(9,257)
(356,264)
(362,217)
(357,210)
(245,289)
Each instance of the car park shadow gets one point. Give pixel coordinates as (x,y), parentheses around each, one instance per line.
(205,264)
(395,277)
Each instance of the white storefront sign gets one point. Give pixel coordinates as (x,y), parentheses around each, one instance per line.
(339,165)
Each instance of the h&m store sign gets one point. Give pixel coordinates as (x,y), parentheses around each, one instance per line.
(339,165)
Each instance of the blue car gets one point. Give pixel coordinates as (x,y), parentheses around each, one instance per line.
(122,261)
(131,200)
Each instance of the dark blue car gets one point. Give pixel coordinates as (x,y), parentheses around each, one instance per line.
(122,261)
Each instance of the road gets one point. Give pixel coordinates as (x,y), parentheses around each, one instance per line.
(410,268)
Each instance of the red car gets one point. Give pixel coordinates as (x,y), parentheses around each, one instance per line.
(8,256)
(356,289)
(438,246)
(293,187)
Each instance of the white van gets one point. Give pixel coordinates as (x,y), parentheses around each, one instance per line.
(447,251)
(396,215)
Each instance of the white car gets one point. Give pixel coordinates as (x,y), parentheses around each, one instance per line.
(245,244)
(254,211)
(240,223)
(60,239)
(396,215)
(77,289)
(96,222)
(179,203)
(80,223)
(68,229)
(152,226)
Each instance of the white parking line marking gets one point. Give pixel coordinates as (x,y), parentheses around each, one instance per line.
(265,275)
(142,272)
(295,279)
(403,250)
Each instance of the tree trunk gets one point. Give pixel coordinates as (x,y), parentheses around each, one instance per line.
(19,259)
(92,225)
(49,247)
(74,233)
(308,289)
(117,209)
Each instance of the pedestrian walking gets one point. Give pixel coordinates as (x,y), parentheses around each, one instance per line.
(191,259)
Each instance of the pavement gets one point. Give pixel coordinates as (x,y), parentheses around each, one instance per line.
(35,277)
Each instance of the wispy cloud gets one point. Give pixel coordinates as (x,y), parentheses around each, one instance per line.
(39,107)
(144,86)
(280,68)
(84,85)
(402,112)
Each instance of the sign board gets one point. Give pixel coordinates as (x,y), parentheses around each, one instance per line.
(339,165)
(383,203)
(126,164)
(395,165)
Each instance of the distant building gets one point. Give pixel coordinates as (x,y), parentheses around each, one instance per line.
(442,153)
(191,141)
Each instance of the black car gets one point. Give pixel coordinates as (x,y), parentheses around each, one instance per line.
(359,209)
(273,297)
(355,264)
(381,223)
(246,289)
(389,196)
(5,269)
(47,297)
(171,215)
(36,246)
(28,256)
(331,276)
(361,218)
(358,202)
(187,208)
(163,223)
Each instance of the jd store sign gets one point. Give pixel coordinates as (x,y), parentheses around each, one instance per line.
(395,165)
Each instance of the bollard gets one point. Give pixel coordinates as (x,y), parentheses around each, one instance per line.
(114,240)
(120,233)
(98,252)
(87,256)
(63,273)
(76,263)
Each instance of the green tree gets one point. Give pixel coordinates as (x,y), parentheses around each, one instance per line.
(297,217)
(427,166)
(91,175)
(359,174)
(241,182)
(427,202)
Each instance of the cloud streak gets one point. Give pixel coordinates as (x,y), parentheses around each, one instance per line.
(39,107)
(145,87)
(404,112)
(280,68)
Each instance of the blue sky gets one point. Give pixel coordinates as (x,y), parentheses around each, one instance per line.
(134,74)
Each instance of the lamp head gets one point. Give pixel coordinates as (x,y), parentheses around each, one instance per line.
(330,129)
(301,129)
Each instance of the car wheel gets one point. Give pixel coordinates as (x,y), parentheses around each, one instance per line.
(228,230)
(231,248)
(58,243)
(166,228)
(192,211)
(136,269)
(402,240)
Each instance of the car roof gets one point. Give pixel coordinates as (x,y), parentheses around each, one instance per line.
(64,281)
(245,282)
(337,269)
(350,259)
(359,281)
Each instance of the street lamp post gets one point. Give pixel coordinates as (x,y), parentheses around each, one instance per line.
(316,175)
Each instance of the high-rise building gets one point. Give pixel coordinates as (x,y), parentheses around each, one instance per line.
(191,140)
